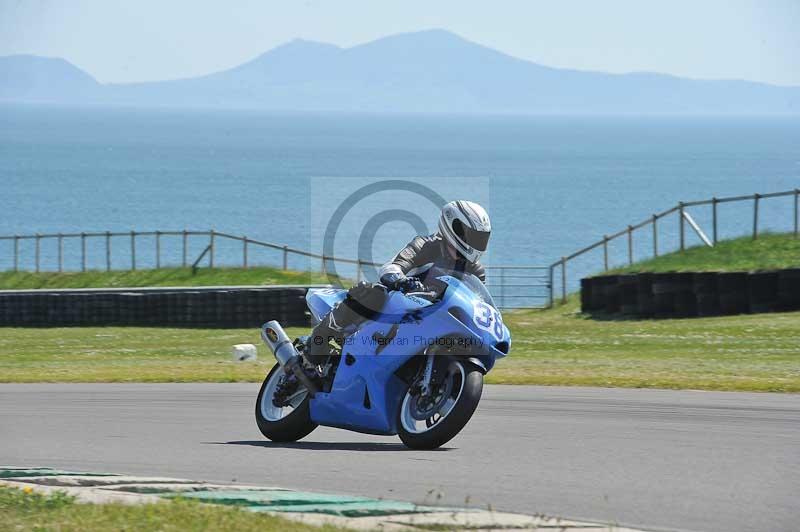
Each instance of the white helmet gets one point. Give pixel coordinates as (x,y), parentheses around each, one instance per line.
(465,225)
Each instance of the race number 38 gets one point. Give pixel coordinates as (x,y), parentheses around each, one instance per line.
(488,319)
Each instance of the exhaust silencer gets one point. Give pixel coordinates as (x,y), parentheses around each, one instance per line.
(287,356)
(277,340)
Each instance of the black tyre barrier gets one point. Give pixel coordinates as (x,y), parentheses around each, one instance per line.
(229,307)
(586,293)
(664,290)
(704,292)
(673,296)
(763,292)
(704,286)
(610,291)
(789,289)
(685,294)
(597,297)
(644,295)
(685,302)
(628,294)
(732,289)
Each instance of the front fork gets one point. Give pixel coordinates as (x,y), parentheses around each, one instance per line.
(427,372)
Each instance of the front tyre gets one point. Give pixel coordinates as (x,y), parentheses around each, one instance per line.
(428,423)
(287,423)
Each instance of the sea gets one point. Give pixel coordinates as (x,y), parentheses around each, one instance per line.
(363,184)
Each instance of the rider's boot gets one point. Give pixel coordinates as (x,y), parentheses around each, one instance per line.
(363,302)
(318,348)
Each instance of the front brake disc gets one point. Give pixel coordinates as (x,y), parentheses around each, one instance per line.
(425,406)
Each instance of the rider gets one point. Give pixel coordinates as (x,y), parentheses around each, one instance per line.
(463,236)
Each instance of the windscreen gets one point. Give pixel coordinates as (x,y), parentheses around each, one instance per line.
(472,282)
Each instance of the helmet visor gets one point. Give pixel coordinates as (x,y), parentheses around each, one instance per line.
(474,239)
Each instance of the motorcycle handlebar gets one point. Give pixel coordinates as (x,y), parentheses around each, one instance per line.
(432,295)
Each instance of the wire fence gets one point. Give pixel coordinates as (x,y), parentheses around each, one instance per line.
(132,243)
(519,286)
(557,271)
(511,286)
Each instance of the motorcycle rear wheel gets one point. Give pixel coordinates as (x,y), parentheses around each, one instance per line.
(463,396)
(286,424)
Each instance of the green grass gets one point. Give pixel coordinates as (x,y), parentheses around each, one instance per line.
(755,352)
(59,512)
(759,352)
(128,354)
(159,277)
(768,252)
(560,346)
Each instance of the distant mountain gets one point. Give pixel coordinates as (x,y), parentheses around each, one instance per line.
(32,78)
(428,71)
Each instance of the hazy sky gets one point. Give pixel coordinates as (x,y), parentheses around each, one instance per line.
(143,40)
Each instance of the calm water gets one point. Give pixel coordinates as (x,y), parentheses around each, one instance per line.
(552,184)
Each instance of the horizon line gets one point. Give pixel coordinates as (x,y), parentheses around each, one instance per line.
(388,36)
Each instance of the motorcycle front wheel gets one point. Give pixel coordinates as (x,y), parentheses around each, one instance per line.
(430,422)
(287,423)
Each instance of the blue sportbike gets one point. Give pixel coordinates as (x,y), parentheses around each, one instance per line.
(415,370)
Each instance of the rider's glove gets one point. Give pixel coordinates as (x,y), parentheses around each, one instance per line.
(411,284)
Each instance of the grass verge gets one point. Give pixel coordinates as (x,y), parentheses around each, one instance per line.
(758,352)
(560,346)
(753,352)
(771,251)
(22,510)
(159,277)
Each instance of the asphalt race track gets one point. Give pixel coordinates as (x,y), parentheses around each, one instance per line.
(676,460)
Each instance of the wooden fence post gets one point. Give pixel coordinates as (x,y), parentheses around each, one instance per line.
(714,202)
(630,244)
(60,253)
(244,252)
(211,250)
(655,235)
(108,251)
(158,249)
(38,240)
(358,271)
(16,252)
(682,226)
(550,276)
(183,258)
(756,197)
(285,257)
(563,280)
(83,252)
(796,220)
(133,250)
(605,252)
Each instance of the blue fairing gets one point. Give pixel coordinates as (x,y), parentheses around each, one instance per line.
(320,301)
(366,394)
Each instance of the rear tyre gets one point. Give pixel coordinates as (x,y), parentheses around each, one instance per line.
(282,424)
(462,395)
